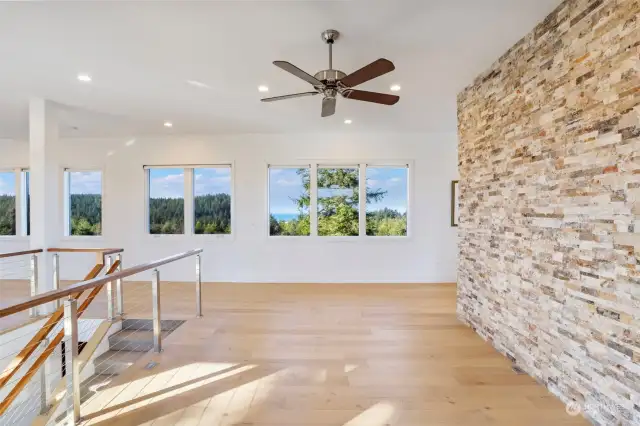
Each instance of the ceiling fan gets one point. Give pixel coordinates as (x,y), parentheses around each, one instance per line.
(330,83)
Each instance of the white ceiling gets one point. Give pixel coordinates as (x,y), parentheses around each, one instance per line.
(141,53)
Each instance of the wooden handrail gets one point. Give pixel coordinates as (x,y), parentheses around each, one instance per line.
(101,253)
(44,331)
(106,251)
(91,283)
(20,253)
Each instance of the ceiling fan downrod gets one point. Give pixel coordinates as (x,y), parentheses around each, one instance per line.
(330,37)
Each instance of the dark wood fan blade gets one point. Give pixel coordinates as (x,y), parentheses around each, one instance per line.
(375,97)
(297,72)
(295,95)
(328,107)
(368,72)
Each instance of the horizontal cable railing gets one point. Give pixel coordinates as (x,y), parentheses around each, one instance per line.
(88,371)
(19,275)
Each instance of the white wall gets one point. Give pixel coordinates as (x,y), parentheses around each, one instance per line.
(428,255)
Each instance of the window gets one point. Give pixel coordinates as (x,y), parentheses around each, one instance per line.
(166,201)
(212,200)
(289,201)
(83,209)
(7,203)
(338,201)
(189,200)
(387,199)
(330,200)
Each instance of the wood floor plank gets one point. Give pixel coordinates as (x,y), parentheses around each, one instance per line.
(322,355)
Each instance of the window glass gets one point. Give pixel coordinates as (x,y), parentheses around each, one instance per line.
(289,200)
(338,205)
(85,202)
(166,201)
(387,200)
(212,200)
(7,203)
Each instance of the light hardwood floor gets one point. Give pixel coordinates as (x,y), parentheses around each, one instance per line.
(319,354)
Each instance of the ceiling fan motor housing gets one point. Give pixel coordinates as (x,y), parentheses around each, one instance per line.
(329,76)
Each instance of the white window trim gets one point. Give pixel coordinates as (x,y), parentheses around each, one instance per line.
(314,165)
(66,205)
(189,200)
(18,236)
(21,211)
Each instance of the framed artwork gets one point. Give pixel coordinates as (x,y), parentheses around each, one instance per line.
(455,203)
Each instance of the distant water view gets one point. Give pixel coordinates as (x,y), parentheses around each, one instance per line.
(285,216)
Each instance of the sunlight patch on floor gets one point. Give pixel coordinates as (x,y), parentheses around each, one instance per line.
(379,414)
(192,376)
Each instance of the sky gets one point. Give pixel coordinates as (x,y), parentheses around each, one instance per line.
(285,184)
(85,182)
(169,183)
(7,183)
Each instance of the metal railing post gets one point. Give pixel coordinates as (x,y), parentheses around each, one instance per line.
(44,388)
(56,275)
(33,281)
(110,311)
(71,359)
(157,326)
(119,289)
(198,288)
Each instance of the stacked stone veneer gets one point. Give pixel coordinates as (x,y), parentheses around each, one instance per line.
(549,150)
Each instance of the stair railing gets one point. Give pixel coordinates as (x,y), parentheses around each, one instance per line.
(40,337)
(69,313)
(13,264)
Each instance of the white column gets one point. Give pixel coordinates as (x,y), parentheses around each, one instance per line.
(46,226)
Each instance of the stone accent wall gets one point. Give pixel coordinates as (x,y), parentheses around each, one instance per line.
(549,145)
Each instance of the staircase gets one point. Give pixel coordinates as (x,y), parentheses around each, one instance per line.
(129,344)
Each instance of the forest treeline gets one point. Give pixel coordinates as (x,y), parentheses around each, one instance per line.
(166,215)
(212,215)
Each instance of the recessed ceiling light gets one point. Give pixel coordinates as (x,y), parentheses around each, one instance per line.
(130,142)
(85,78)
(348,121)
(263,89)
(168,124)
(395,87)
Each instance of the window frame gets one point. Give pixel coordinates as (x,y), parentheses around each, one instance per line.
(189,199)
(24,220)
(17,171)
(66,203)
(361,165)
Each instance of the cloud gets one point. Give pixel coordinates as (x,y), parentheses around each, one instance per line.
(85,182)
(169,186)
(212,181)
(7,184)
(289,182)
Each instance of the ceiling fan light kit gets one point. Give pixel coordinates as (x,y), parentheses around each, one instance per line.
(330,82)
